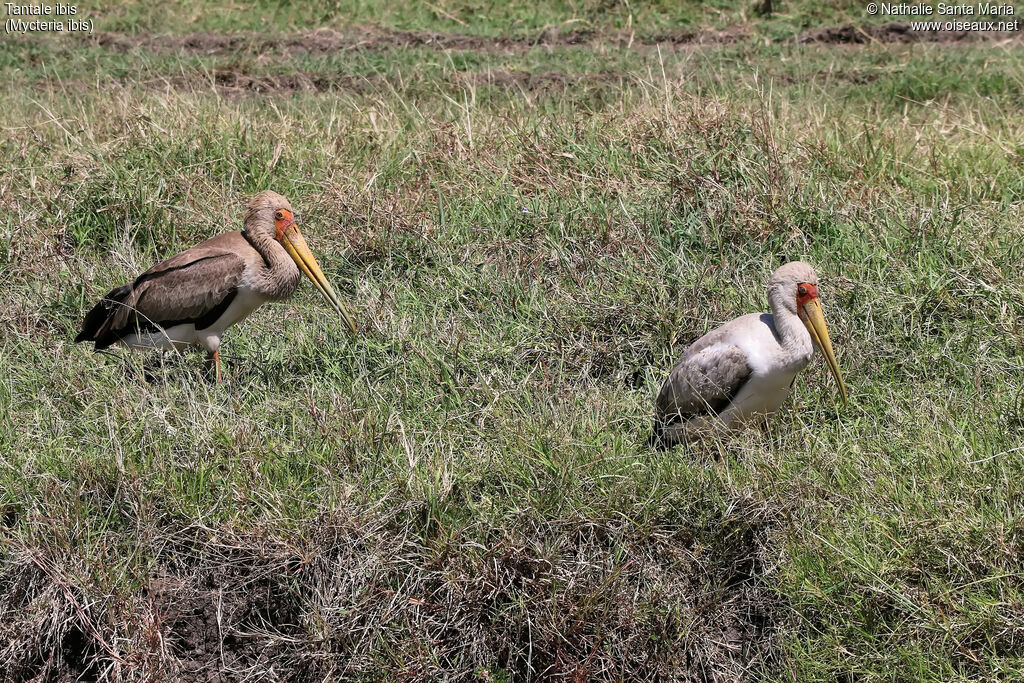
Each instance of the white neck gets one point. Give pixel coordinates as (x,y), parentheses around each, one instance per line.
(796,340)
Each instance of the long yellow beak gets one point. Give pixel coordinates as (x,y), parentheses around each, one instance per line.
(295,244)
(814,320)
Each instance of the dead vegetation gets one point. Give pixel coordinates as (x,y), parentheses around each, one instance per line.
(353,593)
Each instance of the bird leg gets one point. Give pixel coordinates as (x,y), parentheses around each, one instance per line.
(213,362)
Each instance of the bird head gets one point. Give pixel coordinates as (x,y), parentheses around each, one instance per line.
(794,286)
(272,214)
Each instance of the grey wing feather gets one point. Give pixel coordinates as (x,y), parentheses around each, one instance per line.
(183,288)
(705,381)
(190,291)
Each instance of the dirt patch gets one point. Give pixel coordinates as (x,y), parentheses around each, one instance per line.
(228,618)
(235,83)
(453,41)
(539,82)
(231,80)
(726,36)
(358,595)
(856,77)
(189,43)
(326,41)
(896,32)
(232,83)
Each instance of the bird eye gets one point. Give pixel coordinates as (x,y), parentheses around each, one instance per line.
(279,216)
(801,290)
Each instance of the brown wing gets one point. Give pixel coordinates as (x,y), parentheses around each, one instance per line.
(704,381)
(194,286)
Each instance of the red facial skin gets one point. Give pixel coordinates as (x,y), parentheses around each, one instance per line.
(283,220)
(805,292)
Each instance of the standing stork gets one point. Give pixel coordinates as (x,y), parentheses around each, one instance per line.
(744,370)
(192,298)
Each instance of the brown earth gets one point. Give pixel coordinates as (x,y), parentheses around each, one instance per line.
(897,32)
(356,596)
(326,41)
(539,82)
(235,82)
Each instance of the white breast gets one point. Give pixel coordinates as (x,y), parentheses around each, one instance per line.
(762,395)
(773,369)
(180,337)
(244,303)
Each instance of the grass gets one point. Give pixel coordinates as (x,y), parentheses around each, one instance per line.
(475,17)
(532,234)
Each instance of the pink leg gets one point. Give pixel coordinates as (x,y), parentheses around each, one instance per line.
(214,359)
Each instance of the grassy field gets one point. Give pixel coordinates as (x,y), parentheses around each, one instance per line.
(535,208)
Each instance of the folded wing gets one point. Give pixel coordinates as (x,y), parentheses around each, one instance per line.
(704,382)
(195,286)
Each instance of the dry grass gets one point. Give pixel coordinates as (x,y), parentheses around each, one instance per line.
(533,235)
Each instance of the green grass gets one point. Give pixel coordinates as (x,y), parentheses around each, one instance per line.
(477,17)
(517,17)
(531,236)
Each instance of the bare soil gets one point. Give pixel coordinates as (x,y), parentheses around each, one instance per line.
(214,625)
(361,596)
(326,41)
(237,82)
(856,77)
(539,82)
(897,32)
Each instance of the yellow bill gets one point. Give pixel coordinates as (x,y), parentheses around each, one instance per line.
(815,322)
(295,244)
